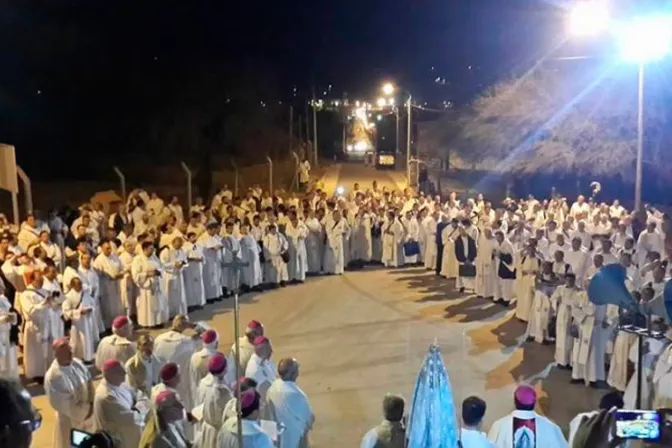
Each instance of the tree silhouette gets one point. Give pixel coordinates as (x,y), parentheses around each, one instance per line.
(560,122)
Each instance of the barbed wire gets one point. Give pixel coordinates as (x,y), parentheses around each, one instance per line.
(428,109)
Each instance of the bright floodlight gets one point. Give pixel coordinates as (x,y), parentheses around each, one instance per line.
(340,190)
(589,18)
(381,102)
(388,88)
(646,38)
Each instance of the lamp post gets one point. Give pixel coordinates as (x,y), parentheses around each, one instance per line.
(643,40)
(388,89)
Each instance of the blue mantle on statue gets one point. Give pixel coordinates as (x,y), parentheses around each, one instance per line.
(433,421)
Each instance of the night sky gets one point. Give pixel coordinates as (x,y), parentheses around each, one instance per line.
(350,44)
(65,64)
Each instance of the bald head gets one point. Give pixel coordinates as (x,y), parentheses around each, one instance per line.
(180,323)
(288,369)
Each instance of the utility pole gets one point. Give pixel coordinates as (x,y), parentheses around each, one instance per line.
(291,127)
(315,129)
(408,142)
(236,265)
(308,154)
(299,121)
(397,142)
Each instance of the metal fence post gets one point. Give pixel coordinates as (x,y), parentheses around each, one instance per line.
(15,208)
(235,178)
(28,187)
(270,175)
(187,171)
(295,181)
(122,182)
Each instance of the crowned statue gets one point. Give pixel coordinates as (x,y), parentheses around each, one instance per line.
(433,420)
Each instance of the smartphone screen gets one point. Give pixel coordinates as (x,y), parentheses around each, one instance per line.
(641,425)
(77,437)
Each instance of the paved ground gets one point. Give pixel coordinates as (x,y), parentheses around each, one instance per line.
(364,334)
(349,173)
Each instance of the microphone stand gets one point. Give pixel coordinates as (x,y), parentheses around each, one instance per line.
(236,265)
(641,332)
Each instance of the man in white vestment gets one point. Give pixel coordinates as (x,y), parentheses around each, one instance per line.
(580,208)
(110,272)
(174,346)
(52,250)
(212,394)
(142,370)
(290,405)
(361,243)
(198,365)
(117,345)
(261,367)
(334,252)
(524,427)
(174,262)
(127,287)
(578,259)
(166,427)
(486,283)
(78,308)
(194,289)
(590,343)
(304,174)
(393,235)
(43,325)
(29,234)
(231,251)
(212,252)
(662,376)
(275,248)
(652,350)
(314,241)
(471,433)
(649,241)
(91,283)
(390,432)
(562,301)
(253,435)
(251,276)
(296,233)
(70,391)
(430,225)
(254,328)
(151,303)
(449,266)
(115,409)
(528,268)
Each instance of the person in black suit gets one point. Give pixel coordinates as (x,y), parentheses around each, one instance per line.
(465,252)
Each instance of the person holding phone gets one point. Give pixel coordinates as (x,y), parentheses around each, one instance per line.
(19,418)
(9,367)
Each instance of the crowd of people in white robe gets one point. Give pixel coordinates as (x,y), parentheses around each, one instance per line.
(148,261)
(104,273)
(178,390)
(546,254)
